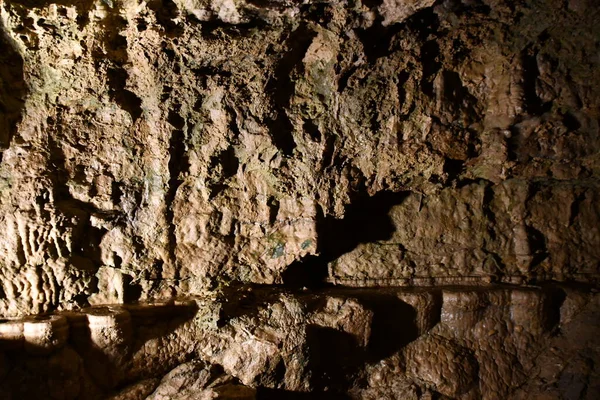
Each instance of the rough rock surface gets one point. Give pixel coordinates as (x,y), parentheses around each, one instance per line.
(374,199)
(367,343)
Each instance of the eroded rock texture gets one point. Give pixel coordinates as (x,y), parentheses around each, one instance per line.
(370,343)
(372,199)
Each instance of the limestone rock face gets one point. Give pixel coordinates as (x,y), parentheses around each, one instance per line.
(159,148)
(479,343)
(244,198)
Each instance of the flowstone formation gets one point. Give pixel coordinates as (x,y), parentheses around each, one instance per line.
(377,199)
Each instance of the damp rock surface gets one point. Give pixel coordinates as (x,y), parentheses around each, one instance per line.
(261,199)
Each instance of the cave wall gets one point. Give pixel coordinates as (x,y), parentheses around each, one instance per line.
(166,147)
(306,172)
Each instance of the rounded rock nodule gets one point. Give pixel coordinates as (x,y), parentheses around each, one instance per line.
(109,325)
(44,333)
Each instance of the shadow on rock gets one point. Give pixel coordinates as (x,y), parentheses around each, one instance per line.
(12,89)
(366,220)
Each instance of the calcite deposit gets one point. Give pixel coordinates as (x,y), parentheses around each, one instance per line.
(240,199)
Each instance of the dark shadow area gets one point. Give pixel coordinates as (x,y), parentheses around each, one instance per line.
(282,85)
(377,39)
(337,358)
(126,99)
(319,13)
(36,377)
(159,321)
(131,291)
(394,325)
(312,130)
(178,166)
(12,89)
(111,56)
(453,168)
(366,220)
(280,394)
(104,351)
(86,238)
(458,100)
(344,77)
(537,244)
(570,121)
(108,364)
(242,302)
(310,271)
(328,152)
(401,84)
(430,55)
(554,298)
(575,207)
(229,164)
(515,145)
(166,13)
(533,104)
(334,357)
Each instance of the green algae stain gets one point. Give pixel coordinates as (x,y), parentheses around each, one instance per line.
(278,250)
